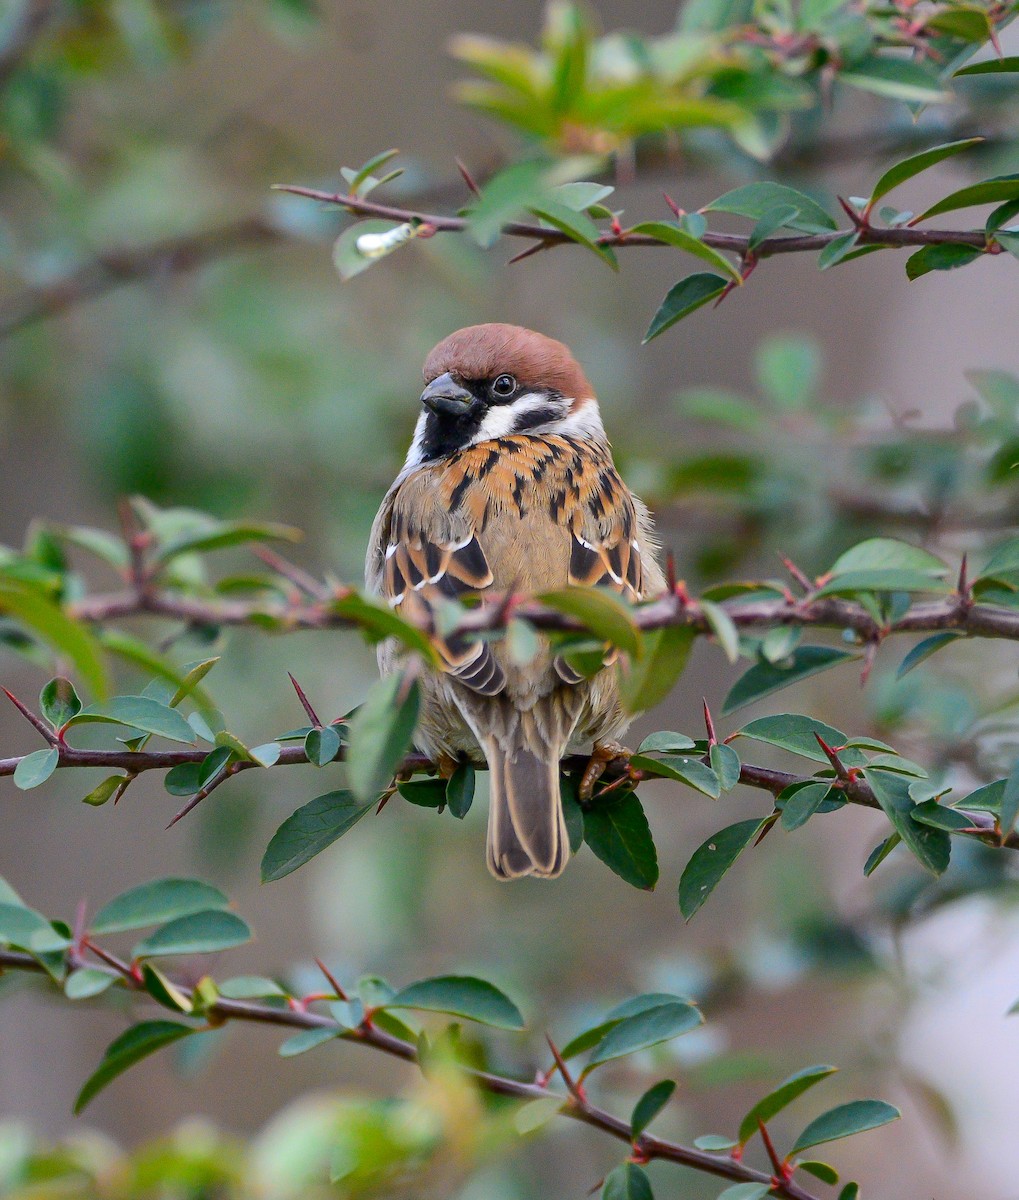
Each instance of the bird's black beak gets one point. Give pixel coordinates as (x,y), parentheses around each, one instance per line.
(446,397)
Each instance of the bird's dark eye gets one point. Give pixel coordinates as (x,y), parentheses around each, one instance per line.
(504,386)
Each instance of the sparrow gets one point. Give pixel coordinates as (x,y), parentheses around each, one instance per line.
(509,486)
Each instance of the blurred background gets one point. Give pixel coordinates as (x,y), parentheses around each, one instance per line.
(233,372)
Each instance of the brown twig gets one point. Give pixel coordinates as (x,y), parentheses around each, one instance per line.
(736,243)
(826,612)
(576,1106)
(855,790)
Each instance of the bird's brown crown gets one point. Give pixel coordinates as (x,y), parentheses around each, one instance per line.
(487,351)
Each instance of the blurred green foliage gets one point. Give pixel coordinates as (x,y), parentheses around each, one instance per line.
(171,329)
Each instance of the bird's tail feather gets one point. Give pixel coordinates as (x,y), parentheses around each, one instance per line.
(526,827)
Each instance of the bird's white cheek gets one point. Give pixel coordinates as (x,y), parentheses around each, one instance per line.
(497,422)
(415,456)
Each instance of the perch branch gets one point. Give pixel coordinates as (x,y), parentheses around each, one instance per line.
(574,1105)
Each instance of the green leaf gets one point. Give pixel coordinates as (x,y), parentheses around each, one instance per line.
(505,197)
(839,249)
(379,621)
(917,163)
(131,1047)
(460,790)
(1008,240)
(923,650)
(197,933)
(369,168)
(249,987)
(968,23)
(199,536)
(1004,562)
(764,678)
(779,217)
(645,682)
(711,860)
(576,225)
(164,991)
(1010,801)
(992,66)
(59,702)
(87,982)
(309,831)
(380,735)
(851,582)
(35,768)
(672,235)
(887,554)
(940,258)
(723,628)
(96,541)
(629,1008)
(461,996)
(573,814)
(425,793)
(184,779)
(801,805)
(307,1039)
(682,299)
(757,200)
(68,638)
(880,852)
(156,902)
(536,1113)
(581,196)
(714,1143)
(725,762)
(18,924)
(988,191)
(267,755)
(626,1182)
(745,1191)
(618,834)
(786,1092)
(139,712)
(940,816)
(820,1170)
(601,612)
(931,846)
(685,769)
(322,745)
(795,732)
(664,740)
(845,1120)
(896,78)
(645,1029)
(650,1105)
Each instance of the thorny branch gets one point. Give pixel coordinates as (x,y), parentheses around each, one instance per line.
(574,1106)
(867,234)
(118,266)
(853,788)
(955,612)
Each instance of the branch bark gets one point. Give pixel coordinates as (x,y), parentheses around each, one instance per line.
(646,1146)
(136,762)
(955,612)
(739,244)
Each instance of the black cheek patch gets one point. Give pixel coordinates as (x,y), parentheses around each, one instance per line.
(445,434)
(534,417)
